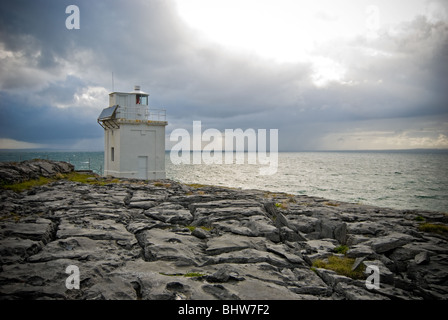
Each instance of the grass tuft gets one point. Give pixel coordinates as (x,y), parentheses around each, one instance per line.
(342,266)
(282,205)
(341,249)
(161,184)
(192,228)
(26,185)
(434,228)
(72,176)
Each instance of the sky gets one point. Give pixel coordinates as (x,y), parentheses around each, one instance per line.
(328,74)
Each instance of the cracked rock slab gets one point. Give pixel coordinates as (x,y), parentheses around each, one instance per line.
(35,229)
(170,213)
(167,245)
(389,242)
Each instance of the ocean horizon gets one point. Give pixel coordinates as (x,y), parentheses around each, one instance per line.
(414,179)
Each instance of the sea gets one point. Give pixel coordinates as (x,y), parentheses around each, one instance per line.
(406,180)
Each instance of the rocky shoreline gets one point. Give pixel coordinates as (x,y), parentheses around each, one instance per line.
(162,239)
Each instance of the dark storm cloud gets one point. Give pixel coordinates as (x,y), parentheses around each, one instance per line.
(400,74)
(42,56)
(43,123)
(145,43)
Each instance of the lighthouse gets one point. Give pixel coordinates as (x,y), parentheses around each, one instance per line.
(134,136)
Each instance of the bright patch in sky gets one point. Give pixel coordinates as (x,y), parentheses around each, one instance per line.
(283,30)
(90,97)
(291,31)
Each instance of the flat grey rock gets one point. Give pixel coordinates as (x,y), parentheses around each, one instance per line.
(170,213)
(360,250)
(389,242)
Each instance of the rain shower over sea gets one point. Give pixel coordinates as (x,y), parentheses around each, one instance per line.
(400,180)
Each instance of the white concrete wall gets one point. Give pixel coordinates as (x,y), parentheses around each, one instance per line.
(112,140)
(131,141)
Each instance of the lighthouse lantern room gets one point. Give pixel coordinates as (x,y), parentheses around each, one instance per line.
(134,136)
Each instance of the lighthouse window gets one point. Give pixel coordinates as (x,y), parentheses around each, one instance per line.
(141,99)
(112,154)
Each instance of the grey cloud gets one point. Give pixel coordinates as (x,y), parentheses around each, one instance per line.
(145,42)
(44,124)
(401,73)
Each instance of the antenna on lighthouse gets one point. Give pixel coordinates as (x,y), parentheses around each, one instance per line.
(113,81)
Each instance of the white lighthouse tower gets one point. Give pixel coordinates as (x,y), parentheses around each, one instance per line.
(134,137)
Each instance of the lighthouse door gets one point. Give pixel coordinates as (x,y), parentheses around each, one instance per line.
(143,167)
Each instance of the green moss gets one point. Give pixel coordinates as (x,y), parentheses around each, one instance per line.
(341,249)
(192,228)
(72,176)
(193,274)
(161,184)
(26,185)
(342,266)
(77,177)
(89,179)
(283,205)
(84,178)
(419,218)
(434,228)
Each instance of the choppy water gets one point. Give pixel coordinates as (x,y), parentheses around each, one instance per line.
(402,180)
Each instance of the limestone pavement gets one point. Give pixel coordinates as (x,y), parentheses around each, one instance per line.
(167,240)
